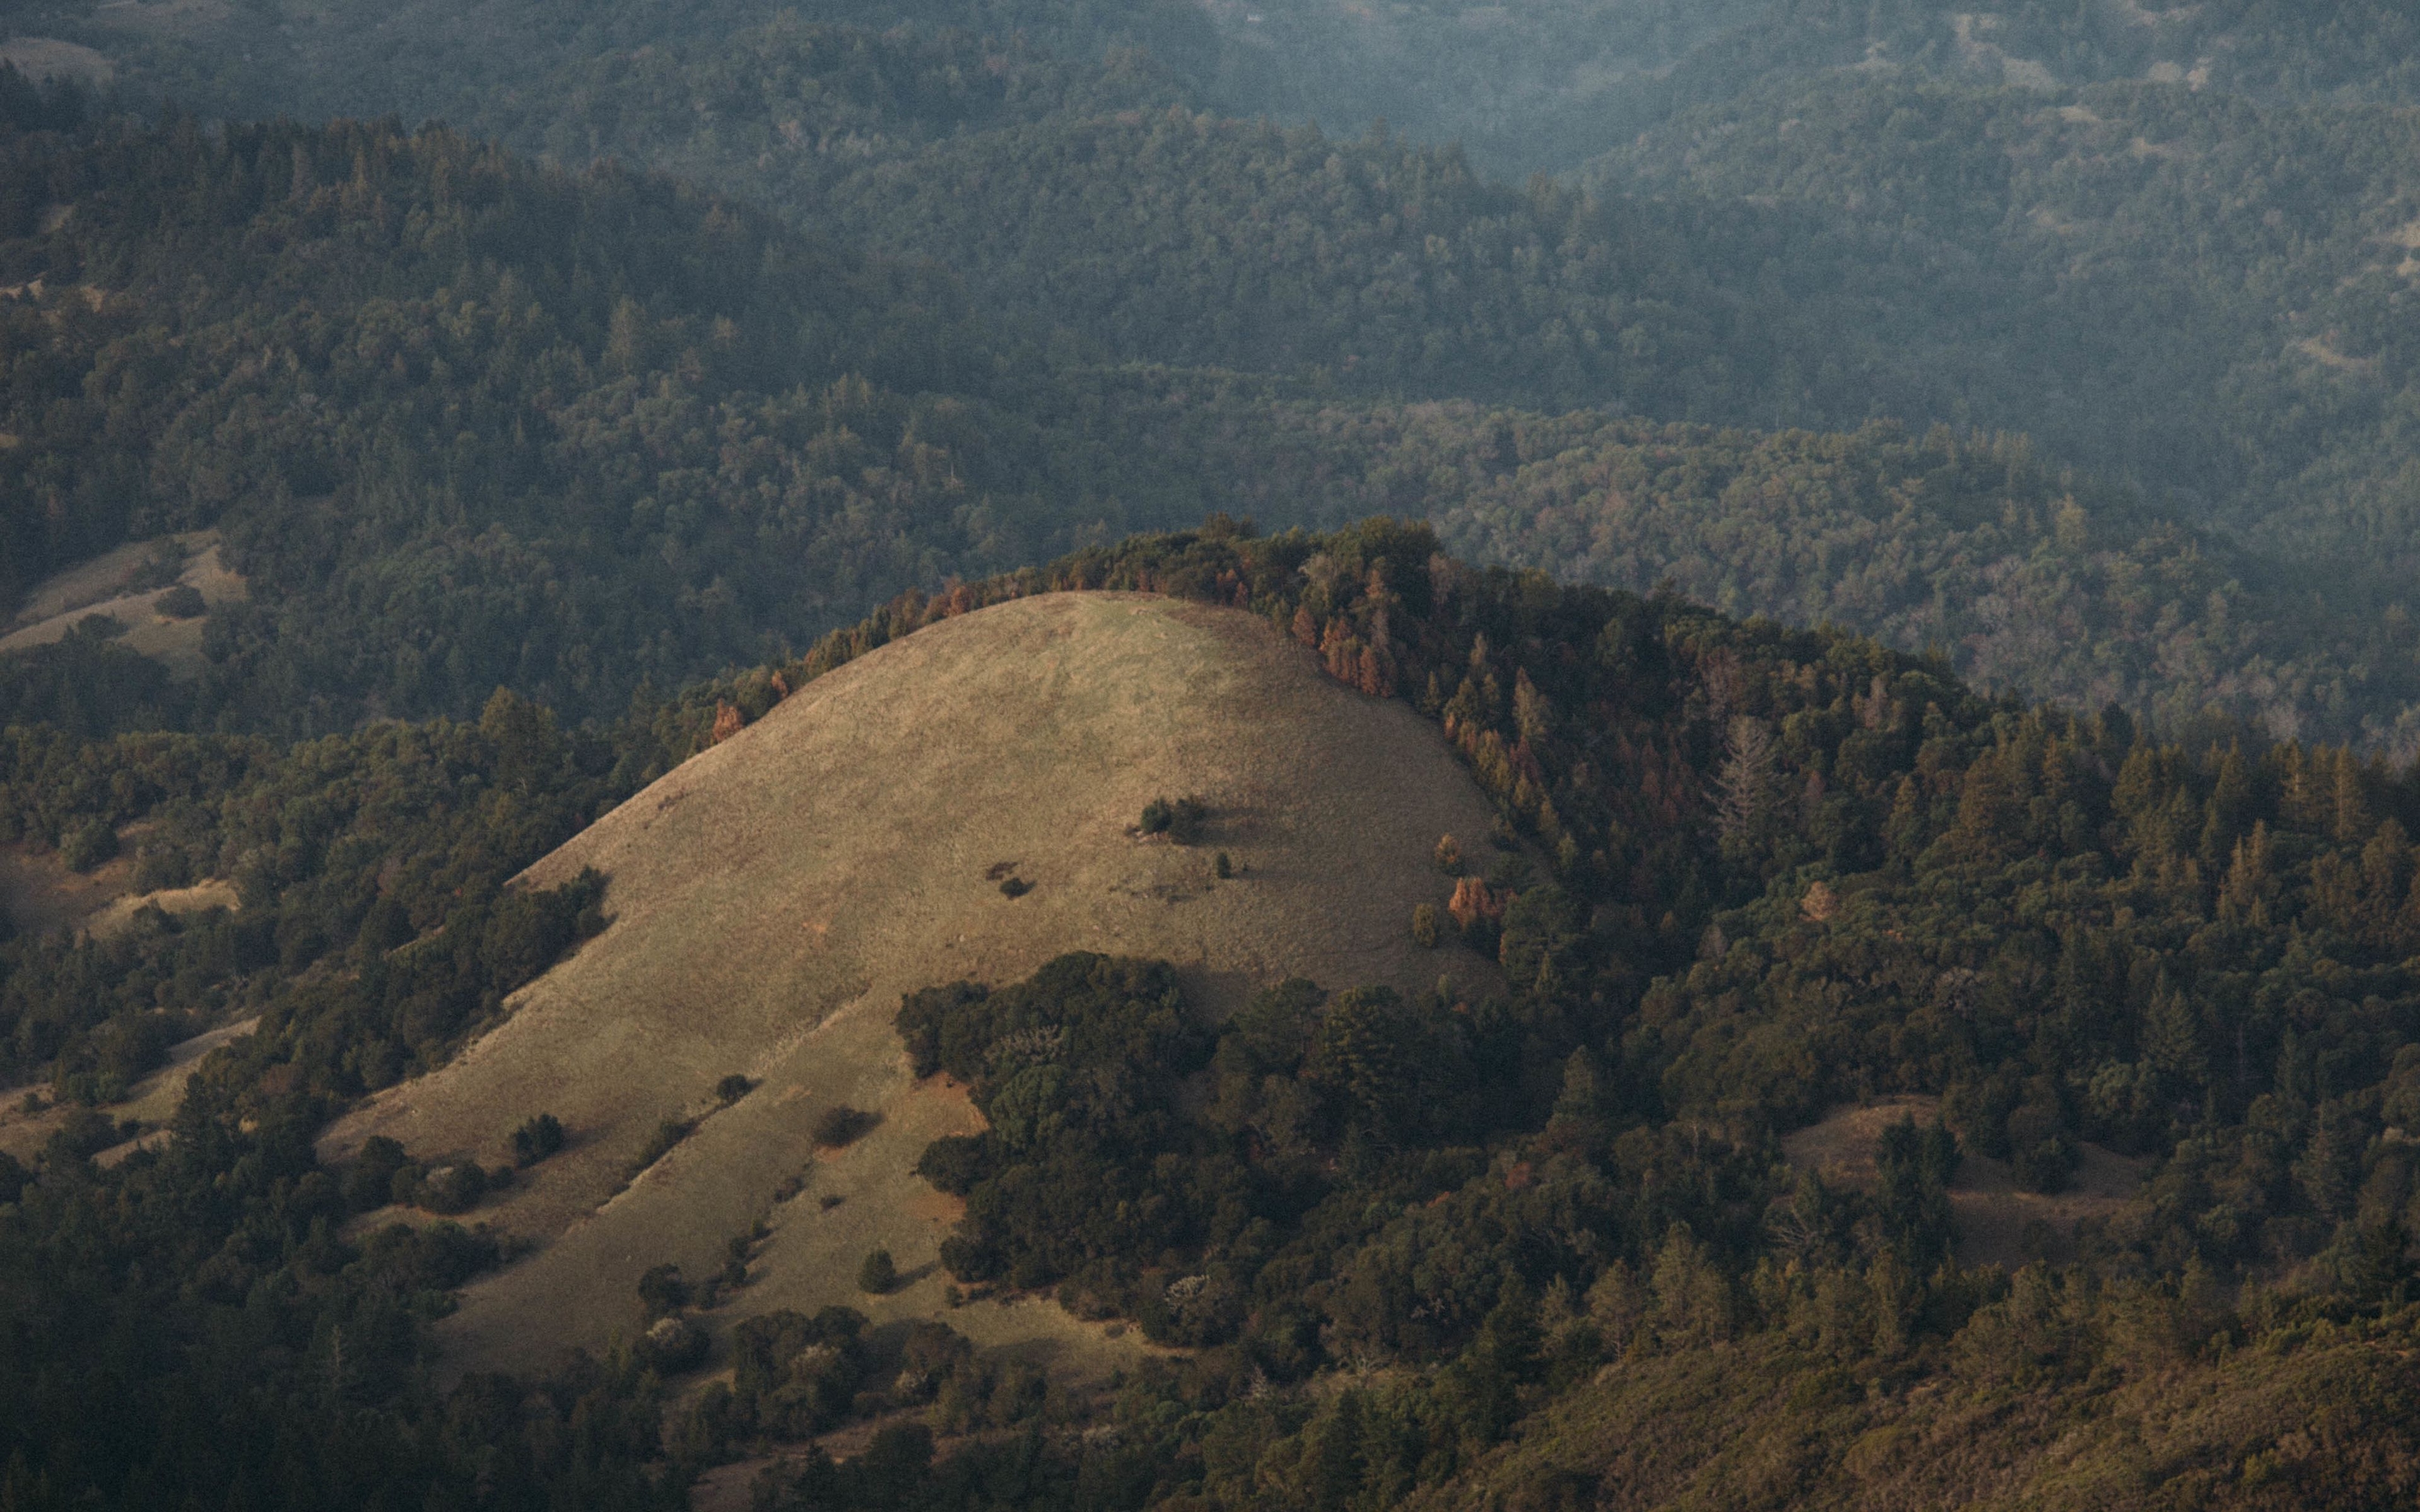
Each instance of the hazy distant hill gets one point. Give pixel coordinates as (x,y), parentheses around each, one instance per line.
(1544,85)
(465,422)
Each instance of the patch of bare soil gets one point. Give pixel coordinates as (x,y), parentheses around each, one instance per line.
(106,586)
(1998,1223)
(774,898)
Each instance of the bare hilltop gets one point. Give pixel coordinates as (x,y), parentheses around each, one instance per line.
(959,804)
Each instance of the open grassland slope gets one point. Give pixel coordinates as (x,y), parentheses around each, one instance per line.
(774,898)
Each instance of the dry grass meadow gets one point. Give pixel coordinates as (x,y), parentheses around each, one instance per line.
(1998,1223)
(105,585)
(774,898)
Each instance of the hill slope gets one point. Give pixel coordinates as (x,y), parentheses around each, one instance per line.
(773,898)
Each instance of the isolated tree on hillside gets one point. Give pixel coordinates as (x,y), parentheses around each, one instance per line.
(1743,789)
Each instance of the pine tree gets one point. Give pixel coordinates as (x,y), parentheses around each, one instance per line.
(1744,789)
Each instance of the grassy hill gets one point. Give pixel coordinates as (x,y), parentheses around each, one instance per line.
(1550,1237)
(774,897)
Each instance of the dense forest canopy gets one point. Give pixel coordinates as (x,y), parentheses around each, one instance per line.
(2194,289)
(548,486)
(2192,292)
(2188,289)
(466,421)
(1541,85)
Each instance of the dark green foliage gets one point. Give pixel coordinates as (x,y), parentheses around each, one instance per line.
(795,1375)
(182,602)
(537,1138)
(369,1182)
(671,1345)
(726,552)
(268,1348)
(1180,821)
(465,422)
(668,1133)
(877,1276)
(88,845)
(455,1188)
(1015,887)
(733,1087)
(1915,1168)
(841,1125)
(1543,942)
(663,1291)
(394,843)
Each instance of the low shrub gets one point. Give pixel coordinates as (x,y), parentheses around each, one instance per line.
(669,1132)
(663,1291)
(456,1188)
(1181,820)
(536,1139)
(841,1125)
(182,602)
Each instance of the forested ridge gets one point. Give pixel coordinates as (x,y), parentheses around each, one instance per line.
(1544,85)
(2218,288)
(1748,871)
(2192,290)
(2196,294)
(2027,577)
(467,421)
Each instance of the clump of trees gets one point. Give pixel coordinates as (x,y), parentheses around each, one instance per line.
(540,1136)
(841,1125)
(1181,820)
(661,1141)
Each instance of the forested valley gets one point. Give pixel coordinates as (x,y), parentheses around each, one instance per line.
(1905,511)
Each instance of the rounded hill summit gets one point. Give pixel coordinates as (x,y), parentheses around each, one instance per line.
(961,804)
